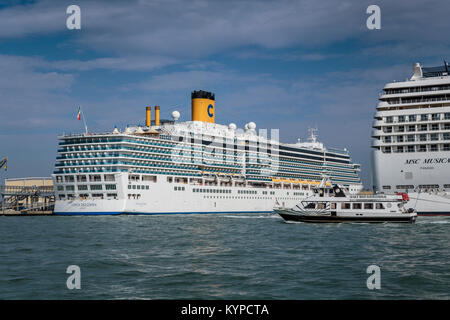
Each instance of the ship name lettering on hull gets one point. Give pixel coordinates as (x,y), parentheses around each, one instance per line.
(428,161)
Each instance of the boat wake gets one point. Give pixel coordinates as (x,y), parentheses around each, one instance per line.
(447,221)
(266,216)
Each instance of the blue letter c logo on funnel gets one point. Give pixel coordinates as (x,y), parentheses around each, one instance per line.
(209,113)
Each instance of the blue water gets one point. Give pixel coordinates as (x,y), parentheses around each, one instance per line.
(221,257)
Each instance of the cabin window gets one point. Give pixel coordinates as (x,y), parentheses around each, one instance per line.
(368,205)
(345,205)
(357,205)
(321,206)
(333,205)
(133,177)
(81,178)
(109,177)
(310,206)
(95,177)
(405,187)
(149,178)
(379,206)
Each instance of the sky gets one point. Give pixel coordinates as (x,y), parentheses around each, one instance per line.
(289,65)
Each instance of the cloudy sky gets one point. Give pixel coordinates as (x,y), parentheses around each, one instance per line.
(282,64)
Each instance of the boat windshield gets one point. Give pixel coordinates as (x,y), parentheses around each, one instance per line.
(314,205)
(310,205)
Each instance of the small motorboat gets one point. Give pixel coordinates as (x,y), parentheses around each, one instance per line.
(332,204)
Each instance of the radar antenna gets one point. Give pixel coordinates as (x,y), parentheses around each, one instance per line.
(313,134)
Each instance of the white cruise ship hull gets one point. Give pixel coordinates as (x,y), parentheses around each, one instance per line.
(398,170)
(411,139)
(177,198)
(430,203)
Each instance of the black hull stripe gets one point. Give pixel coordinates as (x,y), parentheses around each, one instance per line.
(300,218)
(434,213)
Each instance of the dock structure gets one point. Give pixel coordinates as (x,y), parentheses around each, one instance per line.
(18,197)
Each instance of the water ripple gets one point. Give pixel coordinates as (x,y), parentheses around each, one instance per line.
(221,257)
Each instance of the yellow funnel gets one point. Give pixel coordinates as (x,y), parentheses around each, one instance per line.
(148,117)
(203,106)
(157,116)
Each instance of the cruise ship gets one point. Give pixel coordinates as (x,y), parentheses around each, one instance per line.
(411,139)
(191,167)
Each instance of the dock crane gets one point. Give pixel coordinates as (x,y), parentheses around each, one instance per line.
(3,162)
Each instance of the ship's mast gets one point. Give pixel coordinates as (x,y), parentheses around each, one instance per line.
(313,135)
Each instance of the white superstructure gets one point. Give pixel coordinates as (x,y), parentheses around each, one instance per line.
(411,145)
(332,204)
(191,167)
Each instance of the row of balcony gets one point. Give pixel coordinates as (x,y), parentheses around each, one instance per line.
(410,130)
(379,143)
(401,93)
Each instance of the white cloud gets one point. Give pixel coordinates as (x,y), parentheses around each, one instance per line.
(42,17)
(128,63)
(29,99)
(184,80)
(197,28)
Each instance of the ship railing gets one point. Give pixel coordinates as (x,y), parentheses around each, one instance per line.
(34,207)
(339,151)
(18,190)
(364,196)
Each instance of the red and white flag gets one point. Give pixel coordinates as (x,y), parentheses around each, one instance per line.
(79,113)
